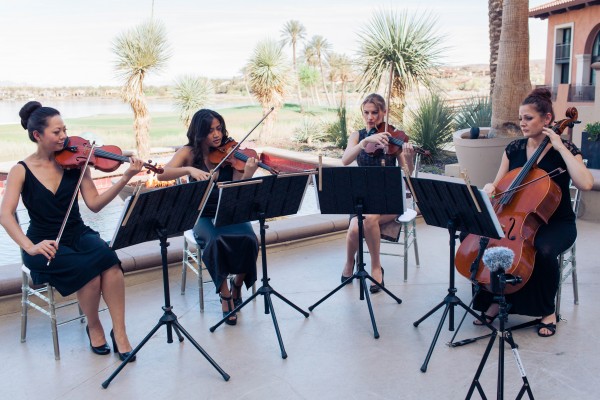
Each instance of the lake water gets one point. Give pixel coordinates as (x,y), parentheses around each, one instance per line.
(86,107)
(105,223)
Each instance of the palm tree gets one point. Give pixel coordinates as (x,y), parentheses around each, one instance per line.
(139,51)
(268,72)
(309,76)
(292,32)
(340,69)
(404,44)
(191,93)
(320,47)
(512,76)
(495,22)
(310,57)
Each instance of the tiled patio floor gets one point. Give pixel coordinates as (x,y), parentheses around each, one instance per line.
(331,355)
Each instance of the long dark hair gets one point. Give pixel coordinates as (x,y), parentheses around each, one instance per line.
(34,117)
(199,130)
(541,99)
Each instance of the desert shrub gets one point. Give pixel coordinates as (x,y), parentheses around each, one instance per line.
(431,123)
(309,131)
(474,112)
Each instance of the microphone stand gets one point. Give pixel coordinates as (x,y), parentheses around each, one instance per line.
(505,336)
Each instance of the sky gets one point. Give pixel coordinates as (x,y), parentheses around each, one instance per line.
(68,42)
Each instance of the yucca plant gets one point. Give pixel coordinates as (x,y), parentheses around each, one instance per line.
(474,112)
(268,74)
(401,42)
(139,51)
(191,93)
(432,123)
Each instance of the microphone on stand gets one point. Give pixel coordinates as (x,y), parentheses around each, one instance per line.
(498,260)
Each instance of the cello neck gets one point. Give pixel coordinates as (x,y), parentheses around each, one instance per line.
(525,170)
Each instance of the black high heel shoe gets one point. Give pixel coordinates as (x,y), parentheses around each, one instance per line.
(232,320)
(100,350)
(236,301)
(375,288)
(122,356)
(344,278)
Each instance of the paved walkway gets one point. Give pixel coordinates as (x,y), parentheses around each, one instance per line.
(331,355)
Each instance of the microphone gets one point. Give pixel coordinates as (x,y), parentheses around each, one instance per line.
(498,260)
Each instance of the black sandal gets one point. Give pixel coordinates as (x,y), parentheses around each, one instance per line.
(232,320)
(488,318)
(551,327)
(236,301)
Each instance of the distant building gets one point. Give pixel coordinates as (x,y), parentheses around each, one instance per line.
(573,57)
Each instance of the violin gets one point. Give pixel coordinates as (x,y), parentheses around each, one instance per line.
(238,159)
(528,197)
(396,139)
(105,158)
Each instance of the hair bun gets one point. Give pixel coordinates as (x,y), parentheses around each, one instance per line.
(542,92)
(27,110)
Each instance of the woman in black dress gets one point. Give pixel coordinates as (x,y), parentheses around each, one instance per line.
(231,249)
(373,112)
(537,297)
(82,262)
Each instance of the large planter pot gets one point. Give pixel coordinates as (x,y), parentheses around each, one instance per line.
(479,157)
(590,150)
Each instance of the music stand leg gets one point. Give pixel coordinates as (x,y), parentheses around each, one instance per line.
(168,318)
(265,290)
(362,277)
(451,300)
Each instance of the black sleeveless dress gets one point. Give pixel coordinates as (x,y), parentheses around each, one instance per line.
(537,297)
(82,254)
(231,249)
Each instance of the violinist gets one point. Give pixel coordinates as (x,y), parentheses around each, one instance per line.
(231,249)
(82,262)
(537,296)
(373,111)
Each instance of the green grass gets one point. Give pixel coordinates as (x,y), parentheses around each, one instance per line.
(165,129)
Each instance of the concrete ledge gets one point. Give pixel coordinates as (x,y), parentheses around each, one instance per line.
(145,256)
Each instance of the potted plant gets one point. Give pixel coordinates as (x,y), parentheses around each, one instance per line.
(478,152)
(590,144)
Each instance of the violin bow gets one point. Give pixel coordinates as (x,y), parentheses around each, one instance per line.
(75,193)
(232,151)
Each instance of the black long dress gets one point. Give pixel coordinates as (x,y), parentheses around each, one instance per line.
(82,254)
(231,249)
(537,296)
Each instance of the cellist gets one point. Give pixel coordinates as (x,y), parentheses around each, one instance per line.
(537,297)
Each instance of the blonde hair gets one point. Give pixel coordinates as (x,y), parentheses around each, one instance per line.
(376,100)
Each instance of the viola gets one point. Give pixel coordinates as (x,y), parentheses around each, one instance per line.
(396,139)
(105,158)
(238,159)
(528,197)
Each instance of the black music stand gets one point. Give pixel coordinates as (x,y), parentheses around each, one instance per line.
(361,190)
(259,199)
(454,206)
(160,214)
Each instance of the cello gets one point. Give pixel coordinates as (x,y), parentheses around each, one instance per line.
(528,197)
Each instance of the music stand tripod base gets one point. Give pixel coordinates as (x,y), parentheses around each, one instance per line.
(144,219)
(258,199)
(361,190)
(454,206)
